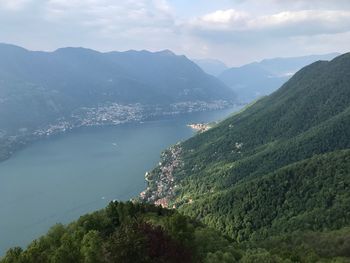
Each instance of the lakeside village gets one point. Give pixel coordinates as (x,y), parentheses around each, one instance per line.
(199,127)
(160,182)
(114,114)
(103,115)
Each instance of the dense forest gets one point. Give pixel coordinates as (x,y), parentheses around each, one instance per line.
(309,195)
(278,167)
(128,232)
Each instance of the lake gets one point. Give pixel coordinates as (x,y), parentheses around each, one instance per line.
(56,180)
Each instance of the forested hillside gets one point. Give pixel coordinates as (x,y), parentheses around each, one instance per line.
(127,232)
(279,166)
(130,233)
(309,195)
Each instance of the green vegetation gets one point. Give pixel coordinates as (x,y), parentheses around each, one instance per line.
(127,232)
(279,167)
(309,195)
(269,184)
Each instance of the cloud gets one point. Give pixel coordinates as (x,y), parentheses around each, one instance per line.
(221,20)
(236,24)
(251,31)
(296,4)
(108,24)
(224,16)
(110,13)
(13,5)
(235,31)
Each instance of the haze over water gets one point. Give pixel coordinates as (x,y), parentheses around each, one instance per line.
(56,180)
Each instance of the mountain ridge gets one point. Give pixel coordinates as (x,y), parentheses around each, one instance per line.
(308,116)
(46,92)
(211,66)
(269,74)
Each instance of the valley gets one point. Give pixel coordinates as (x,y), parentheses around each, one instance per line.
(62,176)
(270,181)
(158,131)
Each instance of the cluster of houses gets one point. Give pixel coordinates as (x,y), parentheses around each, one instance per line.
(199,127)
(111,114)
(161,183)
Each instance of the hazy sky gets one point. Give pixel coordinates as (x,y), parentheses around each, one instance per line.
(234,31)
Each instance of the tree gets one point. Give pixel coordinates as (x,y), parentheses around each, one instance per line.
(13,255)
(126,245)
(91,247)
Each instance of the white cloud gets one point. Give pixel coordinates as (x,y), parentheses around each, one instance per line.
(304,22)
(224,17)
(140,13)
(13,5)
(235,31)
(109,24)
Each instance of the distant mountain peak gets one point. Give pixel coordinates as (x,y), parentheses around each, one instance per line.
(70,50)
(326,55)
(261,78)
(166,52)
(11,47)
(211,66)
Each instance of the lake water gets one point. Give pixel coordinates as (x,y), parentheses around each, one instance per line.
(60,178)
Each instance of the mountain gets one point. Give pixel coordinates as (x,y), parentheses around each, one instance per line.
(45,91)
(270,183)
(279,166)
(211,66)
(262,78)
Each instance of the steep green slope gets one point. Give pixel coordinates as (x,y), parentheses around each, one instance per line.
(220,173)
(127,232)
(309,195)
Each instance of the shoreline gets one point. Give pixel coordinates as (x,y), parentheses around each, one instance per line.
(13,144)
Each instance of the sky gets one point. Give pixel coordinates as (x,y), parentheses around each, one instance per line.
(233,31)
